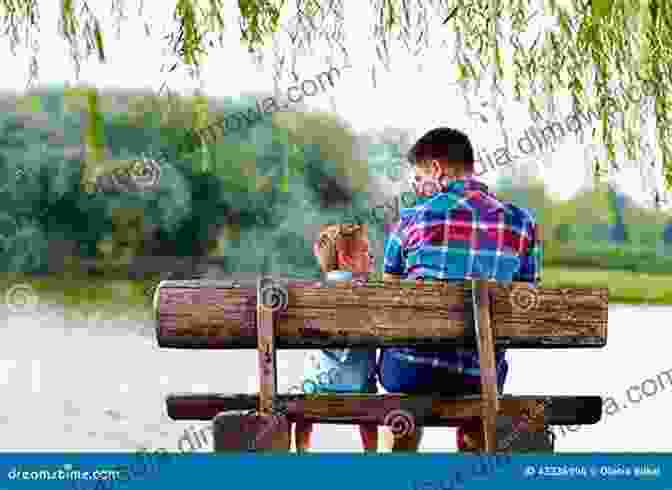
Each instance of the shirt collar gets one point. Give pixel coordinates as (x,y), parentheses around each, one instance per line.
(466,184)
(455,186)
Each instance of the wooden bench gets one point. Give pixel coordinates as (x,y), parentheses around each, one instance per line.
(207,314)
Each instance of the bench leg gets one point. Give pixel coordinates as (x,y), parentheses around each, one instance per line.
(409,442)
(486,352)
(489,430)
(240,431)
(512,437)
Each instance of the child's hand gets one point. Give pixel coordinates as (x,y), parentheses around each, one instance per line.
(360,279)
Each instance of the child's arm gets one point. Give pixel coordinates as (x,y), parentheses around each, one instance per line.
(531,259)
(394,266)
(393,279)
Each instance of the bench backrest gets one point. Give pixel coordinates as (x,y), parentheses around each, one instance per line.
(210,314)
(214,314)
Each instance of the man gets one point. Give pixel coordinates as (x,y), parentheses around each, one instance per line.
(458,231)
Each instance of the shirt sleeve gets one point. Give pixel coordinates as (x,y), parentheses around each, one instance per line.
(394,252)
(531,258)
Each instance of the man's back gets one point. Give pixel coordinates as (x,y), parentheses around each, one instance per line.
(463,233)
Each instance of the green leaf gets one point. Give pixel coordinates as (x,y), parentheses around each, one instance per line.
(99,42)
(601,8)
(498,62)
(564,23)
(461,72)
(284,182)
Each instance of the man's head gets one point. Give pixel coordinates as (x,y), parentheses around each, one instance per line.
(442,152)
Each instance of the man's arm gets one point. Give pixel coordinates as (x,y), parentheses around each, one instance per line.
(531,258)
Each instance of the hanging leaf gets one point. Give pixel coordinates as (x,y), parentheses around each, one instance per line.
(99,42)
(284,182)
(451,15)
(498,62)
(461,72)
(601,9)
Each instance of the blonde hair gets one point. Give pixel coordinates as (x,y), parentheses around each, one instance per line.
(334,238)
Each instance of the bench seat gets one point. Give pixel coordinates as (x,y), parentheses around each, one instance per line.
(353,409)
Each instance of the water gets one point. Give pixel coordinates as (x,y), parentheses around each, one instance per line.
(99,384)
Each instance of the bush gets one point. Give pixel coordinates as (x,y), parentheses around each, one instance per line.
(563,233)
(667,235)
(607,256)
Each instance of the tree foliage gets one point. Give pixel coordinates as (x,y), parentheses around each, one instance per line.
(231,197)
(235,206)
(545,49)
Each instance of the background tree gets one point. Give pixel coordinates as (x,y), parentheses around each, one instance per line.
(545,49)
(617,231)
(667,236)
(226,197)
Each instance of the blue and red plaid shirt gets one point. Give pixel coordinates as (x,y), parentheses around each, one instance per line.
(463,232)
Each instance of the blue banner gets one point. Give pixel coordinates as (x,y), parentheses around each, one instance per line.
(333,472)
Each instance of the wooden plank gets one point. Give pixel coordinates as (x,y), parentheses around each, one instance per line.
(486,356)
(221,315)
(267,291)
(242,431)
(361,408)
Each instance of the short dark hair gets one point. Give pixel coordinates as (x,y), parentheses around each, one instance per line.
(450,146)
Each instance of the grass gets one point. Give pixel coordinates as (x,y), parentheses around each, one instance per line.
(91,293)
(85,293)
(624,286)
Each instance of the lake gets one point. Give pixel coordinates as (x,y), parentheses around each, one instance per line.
(74,383)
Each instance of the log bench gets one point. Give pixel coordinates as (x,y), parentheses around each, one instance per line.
(276,314)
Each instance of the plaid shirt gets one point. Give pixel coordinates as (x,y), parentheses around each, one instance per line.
(461,233)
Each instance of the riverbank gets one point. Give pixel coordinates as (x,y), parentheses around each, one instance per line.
(624,287)
(98,292)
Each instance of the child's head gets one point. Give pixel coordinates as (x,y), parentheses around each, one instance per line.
(343,247)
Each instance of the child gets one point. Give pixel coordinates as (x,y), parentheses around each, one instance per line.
(342,252)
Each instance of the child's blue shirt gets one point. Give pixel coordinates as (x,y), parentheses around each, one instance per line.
(340,370)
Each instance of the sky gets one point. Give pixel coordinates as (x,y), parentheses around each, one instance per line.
(417,94)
